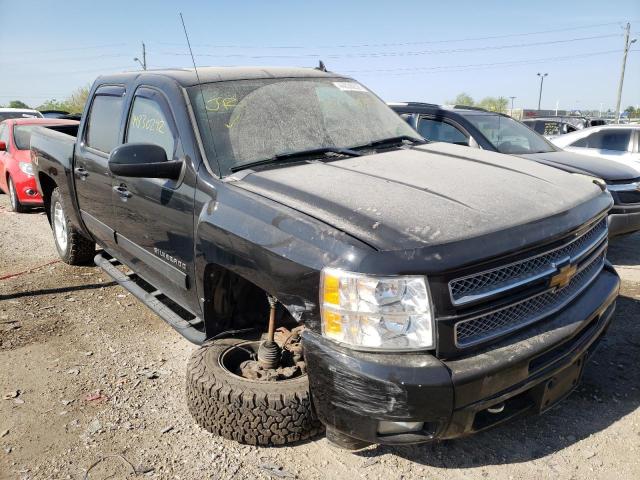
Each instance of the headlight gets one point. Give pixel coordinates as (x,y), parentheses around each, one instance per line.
(26,167)
(386,313)
(623,187)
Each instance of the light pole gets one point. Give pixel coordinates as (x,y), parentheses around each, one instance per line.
(512,99)
(627,44)
(541,75)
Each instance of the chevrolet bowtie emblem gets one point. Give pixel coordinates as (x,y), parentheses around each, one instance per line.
(563,277)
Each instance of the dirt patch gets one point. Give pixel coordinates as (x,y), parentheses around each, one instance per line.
(100,379)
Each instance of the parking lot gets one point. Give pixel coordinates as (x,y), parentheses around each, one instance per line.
(94,382)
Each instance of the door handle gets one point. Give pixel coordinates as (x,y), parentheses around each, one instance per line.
(122,191)
(81,172)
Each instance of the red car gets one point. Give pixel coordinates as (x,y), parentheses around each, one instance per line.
(16,173)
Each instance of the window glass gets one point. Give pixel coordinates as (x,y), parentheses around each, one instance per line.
(549,128)
(22,136)
(148,124)
(19,114)
(508,135)
(438,131)
(4,134)
(253,120)
(606,140)
(104,123)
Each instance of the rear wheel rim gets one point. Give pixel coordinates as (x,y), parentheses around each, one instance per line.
(60,226)
(12,194)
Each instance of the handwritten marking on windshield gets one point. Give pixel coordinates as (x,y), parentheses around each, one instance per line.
(221,104)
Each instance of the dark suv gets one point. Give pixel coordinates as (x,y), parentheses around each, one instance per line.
(496,132)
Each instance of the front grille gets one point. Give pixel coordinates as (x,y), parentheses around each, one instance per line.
(631,196)
(479,329)
(486,284)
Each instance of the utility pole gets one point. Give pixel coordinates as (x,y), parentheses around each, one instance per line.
(143,62)
(512,99)
(541,75)
(627,44)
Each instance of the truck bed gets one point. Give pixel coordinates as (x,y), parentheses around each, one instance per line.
(53,146)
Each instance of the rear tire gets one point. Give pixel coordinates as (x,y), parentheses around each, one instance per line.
(72,246)
(248,411)
(16,206)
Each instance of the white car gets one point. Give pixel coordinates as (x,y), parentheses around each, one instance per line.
(615,142)
(6,113)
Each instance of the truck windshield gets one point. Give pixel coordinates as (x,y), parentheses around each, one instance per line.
(249,121)
(509,136)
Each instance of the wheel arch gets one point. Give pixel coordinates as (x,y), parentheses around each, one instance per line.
(47,186)
(231,301)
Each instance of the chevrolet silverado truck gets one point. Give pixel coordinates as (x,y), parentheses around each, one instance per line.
(335,269)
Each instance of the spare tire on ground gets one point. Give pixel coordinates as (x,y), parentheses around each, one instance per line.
(255,412)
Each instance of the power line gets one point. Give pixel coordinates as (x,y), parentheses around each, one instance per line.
(88,47)
(492,64)
(95,70)
(73,59)
(398,54)
(401,44)
(478,66)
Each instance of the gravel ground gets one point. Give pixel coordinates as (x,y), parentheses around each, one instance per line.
(89,375)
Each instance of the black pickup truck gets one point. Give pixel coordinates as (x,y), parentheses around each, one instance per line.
(335,268)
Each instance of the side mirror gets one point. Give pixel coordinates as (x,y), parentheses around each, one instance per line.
(143,160)
(3,147)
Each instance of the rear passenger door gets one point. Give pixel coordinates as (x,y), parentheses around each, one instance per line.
(93,180)
(154,217)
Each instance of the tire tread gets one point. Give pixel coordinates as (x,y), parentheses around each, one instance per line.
(250,412)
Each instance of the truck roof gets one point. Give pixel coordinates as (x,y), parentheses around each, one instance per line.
(187,76)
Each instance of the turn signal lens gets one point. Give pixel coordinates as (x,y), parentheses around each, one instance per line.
(331,290)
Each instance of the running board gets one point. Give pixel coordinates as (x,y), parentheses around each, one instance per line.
(186,328)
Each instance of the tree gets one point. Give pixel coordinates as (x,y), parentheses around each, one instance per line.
(17,104)
(632,111)
(75,102)
(462,99)
(494,104)
(53,104)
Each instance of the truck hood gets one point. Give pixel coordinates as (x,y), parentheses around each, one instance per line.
(423,196)
(574,162)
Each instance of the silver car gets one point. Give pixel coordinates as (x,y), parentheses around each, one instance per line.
(615,142)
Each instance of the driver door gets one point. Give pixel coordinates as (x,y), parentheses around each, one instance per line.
(154,217)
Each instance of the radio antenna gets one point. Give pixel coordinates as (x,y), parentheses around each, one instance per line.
(204,103)
(193,59)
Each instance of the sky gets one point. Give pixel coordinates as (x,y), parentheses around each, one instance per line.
(403,50)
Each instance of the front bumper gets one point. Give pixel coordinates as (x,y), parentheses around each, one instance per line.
(624,219)
(352,390)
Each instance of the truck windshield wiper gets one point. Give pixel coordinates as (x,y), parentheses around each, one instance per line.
(399,140)
(296,155)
